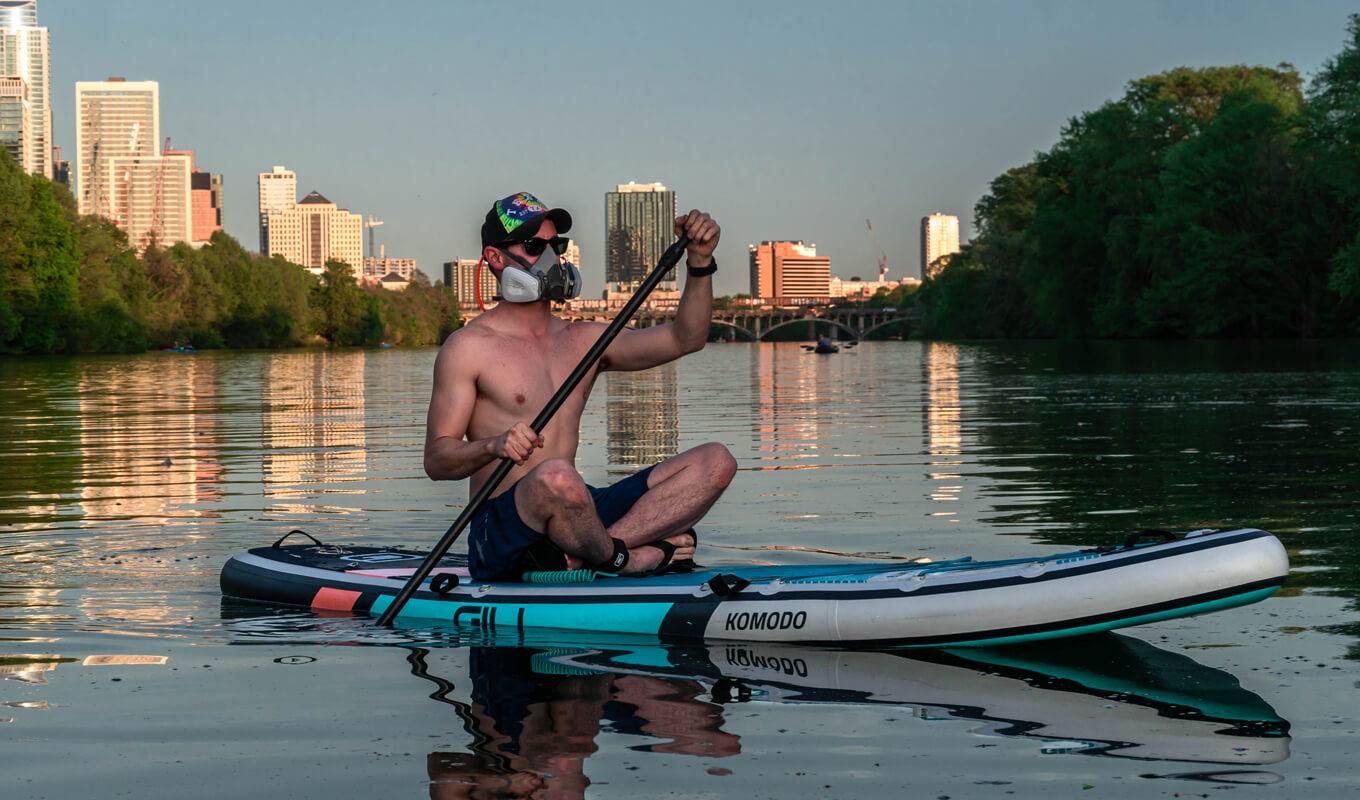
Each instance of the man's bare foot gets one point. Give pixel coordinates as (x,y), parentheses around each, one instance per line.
(647,558)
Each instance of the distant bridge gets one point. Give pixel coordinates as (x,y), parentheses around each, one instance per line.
(756,322)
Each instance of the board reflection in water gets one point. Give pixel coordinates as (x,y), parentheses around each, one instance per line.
(533,714)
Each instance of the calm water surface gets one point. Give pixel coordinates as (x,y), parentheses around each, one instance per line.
(126,482)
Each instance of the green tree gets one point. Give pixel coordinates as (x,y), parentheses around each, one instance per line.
(347,315)
(1231,246)
(1333,142)
(39,265)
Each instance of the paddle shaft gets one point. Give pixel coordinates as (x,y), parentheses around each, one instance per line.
(667,262)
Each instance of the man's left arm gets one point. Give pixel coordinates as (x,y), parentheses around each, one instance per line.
(650,347)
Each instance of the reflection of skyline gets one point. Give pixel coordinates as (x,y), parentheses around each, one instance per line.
(643,420)
(784,391)
(313,421)
(944,424)
(149,439)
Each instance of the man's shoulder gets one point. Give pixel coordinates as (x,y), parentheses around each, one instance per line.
(465,344)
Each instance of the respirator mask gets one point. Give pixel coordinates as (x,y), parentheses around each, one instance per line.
(548,278)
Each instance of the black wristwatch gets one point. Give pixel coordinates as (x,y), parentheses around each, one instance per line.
(699,272)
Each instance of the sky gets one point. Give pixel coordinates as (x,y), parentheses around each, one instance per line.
(784,120)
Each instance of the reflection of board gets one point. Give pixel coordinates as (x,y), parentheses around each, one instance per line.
(960,602)
(1112,695)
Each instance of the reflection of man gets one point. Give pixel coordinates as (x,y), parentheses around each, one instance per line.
(539,729)
(497,371)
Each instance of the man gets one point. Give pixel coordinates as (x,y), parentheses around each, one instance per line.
(494,375)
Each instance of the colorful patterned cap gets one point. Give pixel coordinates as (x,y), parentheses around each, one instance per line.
(518,217)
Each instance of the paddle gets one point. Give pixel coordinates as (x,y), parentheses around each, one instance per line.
(668,261)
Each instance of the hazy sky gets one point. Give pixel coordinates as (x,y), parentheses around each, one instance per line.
(786,120)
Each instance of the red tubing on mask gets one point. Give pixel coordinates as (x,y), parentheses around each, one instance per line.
(477,282)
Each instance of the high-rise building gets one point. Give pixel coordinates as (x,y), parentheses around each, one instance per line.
(788,269)
(639,221)
(939,237)
(13,118)
(382,266)
(205,198)
(24,56)
(315,231)
(278,193)
(152,198)
(460,275)
(61,170)
(116,118)
(120,172)
(573,254)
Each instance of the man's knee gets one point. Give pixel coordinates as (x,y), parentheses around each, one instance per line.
(557,480)
(720,466)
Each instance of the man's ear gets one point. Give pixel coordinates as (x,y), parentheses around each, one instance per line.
(495,259)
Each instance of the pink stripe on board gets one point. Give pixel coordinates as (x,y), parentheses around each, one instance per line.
(406,572)
(335,599)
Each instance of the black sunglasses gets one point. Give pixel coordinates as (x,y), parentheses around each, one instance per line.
(535,247)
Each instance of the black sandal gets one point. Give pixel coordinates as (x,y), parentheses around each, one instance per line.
(666,567)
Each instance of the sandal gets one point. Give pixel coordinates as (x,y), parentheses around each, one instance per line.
(666,567)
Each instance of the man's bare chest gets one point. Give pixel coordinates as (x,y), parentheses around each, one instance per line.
(521,383)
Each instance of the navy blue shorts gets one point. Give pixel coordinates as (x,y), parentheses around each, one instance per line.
(498,537)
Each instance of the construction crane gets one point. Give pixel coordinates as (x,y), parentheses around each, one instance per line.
(371,224)
(882,257)
(155,232)
(127,178)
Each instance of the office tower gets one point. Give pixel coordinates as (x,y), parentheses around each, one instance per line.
(218,198)
(13,116)
(939,237)
(788,269)
(573,254)
(460,276)
(315,231)
(639,222)
(24,56)
(116,118)
(205,195)
(120,172)
(382,266)
(152,198)
(278,192)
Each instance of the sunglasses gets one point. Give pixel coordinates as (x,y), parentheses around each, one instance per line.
(535,247)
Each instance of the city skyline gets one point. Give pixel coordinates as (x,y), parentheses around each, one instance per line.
(776,142)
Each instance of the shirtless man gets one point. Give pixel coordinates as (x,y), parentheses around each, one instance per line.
(493,376)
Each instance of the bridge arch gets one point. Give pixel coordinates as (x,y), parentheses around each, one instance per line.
(805,320)
(894,321)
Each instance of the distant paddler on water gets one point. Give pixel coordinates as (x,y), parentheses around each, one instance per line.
(492,374)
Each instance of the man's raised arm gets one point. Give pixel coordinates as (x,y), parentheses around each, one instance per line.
(649,347)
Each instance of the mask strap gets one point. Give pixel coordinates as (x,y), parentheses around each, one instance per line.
(477,282)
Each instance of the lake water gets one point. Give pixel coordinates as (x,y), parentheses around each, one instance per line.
(126,483)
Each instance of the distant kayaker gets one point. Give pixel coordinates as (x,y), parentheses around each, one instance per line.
(493,375)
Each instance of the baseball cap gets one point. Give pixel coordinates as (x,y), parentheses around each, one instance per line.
(519,217)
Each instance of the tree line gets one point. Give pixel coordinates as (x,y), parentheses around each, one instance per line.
(1204,203)
(71,283)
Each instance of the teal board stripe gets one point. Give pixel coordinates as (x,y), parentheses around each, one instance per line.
(1175,613)
(643,618)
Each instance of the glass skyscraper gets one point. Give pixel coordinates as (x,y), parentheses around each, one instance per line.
(639,221)
(23,55)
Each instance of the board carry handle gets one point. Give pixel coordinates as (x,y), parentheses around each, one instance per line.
(665,264)
(1151,533)
(278,544)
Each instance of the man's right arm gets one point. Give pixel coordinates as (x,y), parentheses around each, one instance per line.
(449,455)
